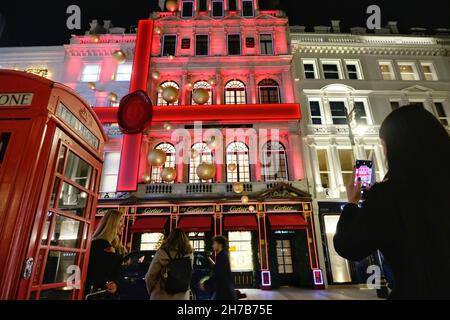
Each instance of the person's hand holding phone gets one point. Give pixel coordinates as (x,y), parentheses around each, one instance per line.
(354,194)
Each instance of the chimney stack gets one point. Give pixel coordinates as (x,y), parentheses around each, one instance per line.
(335,25)
(392,26)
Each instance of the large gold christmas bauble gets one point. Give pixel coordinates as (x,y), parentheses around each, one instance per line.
(245,199)
(206,171)
(112,96)
(157,158)
(170,94)
(157,30)
(92,86)
(146,178)
(232,167)
(168,174)
(119,56)
(238,187)
(200,96)
(156,75)
(171,5)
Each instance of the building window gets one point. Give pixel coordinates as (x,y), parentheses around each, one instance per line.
(360,113)
(310,69)
(169,45)
(284,257)
(241,252)
(197,240)
(442,115)
(316,114)
(200,153)
(429,71)
(234,44)
(353,70)
(387,71)
(91,73)
(331,70)
(247,8)
(235,92)
(339,112)
(110,172)
(123,72)
(394,105)
(217,8)
(232,5)
(187,10)
(347,161)
(418,103)
(408,71)
(170,161)
(274,166)
(266,44)
(371,155)
(269,92)
(203,5)
(324,168)
(238,154)
(202,84)
(151,241)
(160,100)
(201,45)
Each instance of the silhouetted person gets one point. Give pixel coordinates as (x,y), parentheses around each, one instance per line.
(407,216)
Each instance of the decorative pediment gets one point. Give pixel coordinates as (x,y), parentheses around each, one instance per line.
(265,17)
(283,190)
(417,89)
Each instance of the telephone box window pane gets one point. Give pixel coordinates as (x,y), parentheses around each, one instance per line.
(61,157)
(54,193)
(78,170)
(56,294)
(57,265)
(46,228)
(67,233)
(73,200)
(4,140)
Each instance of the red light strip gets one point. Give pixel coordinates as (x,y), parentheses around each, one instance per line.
(131,146)
(244,112)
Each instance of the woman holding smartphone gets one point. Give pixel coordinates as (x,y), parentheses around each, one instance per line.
(407,216)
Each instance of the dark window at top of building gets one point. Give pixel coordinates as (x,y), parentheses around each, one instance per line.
(331,71)
(247,8)
(201,45)
(352,72)
(169,45)
(187,10)
(203,6)
(217,8)
(232,5)
(234,44)
(310,72)
(316,115)
(338,112)
(442,115)
(360,113)
(395,105)
(266,44)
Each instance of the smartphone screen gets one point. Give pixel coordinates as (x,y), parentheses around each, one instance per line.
(364,171)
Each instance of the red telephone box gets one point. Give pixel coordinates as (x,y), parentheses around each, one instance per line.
(51,158)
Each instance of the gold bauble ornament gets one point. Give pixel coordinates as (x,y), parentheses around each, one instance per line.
(167,126)
(200,96)
(146,178)
(112,96)
(251,208)
(156,75)
(170,94)
(168,174)
(212,81)
(92,86)
(189,86)
(194,154)
(238,187)
(206,171)
(160,89)
(157,158)
(95,38)
(158,30)
(171,5)
(171,57)
(119,56)
(245,199)
(232,167)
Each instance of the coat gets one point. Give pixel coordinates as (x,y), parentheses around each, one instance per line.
(153,278)
(410,244)
(221,281)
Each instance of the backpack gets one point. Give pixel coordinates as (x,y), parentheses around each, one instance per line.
(177,274)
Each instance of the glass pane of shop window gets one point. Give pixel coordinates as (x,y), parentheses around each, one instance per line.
(78,170)
(56,294)
(73,200)
(57,266)
(67,233)
(288,269)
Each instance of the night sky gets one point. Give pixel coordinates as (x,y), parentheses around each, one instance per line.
(44,22)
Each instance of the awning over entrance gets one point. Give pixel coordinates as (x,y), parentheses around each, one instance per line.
(287,222)
(195,223)
(240,223)
(149,224)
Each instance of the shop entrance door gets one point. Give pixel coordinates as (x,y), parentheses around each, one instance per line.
(56,263)
(286,272)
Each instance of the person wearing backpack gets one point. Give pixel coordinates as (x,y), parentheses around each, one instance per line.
(170,273)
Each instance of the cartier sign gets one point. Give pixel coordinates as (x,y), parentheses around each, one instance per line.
(16,99)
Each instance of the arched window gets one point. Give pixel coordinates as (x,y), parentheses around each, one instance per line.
(238,154)
(203,85)
(274,165)
(200,153)
(269,92)
(160,100)
(170,161)
(235,92)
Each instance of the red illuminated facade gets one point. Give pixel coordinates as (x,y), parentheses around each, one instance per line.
(240,56)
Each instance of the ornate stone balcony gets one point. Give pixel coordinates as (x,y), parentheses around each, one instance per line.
(338,130)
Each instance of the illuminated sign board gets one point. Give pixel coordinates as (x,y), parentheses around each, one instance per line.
(188,210)
(16,99)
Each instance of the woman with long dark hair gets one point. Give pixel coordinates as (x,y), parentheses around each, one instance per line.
(407,216)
